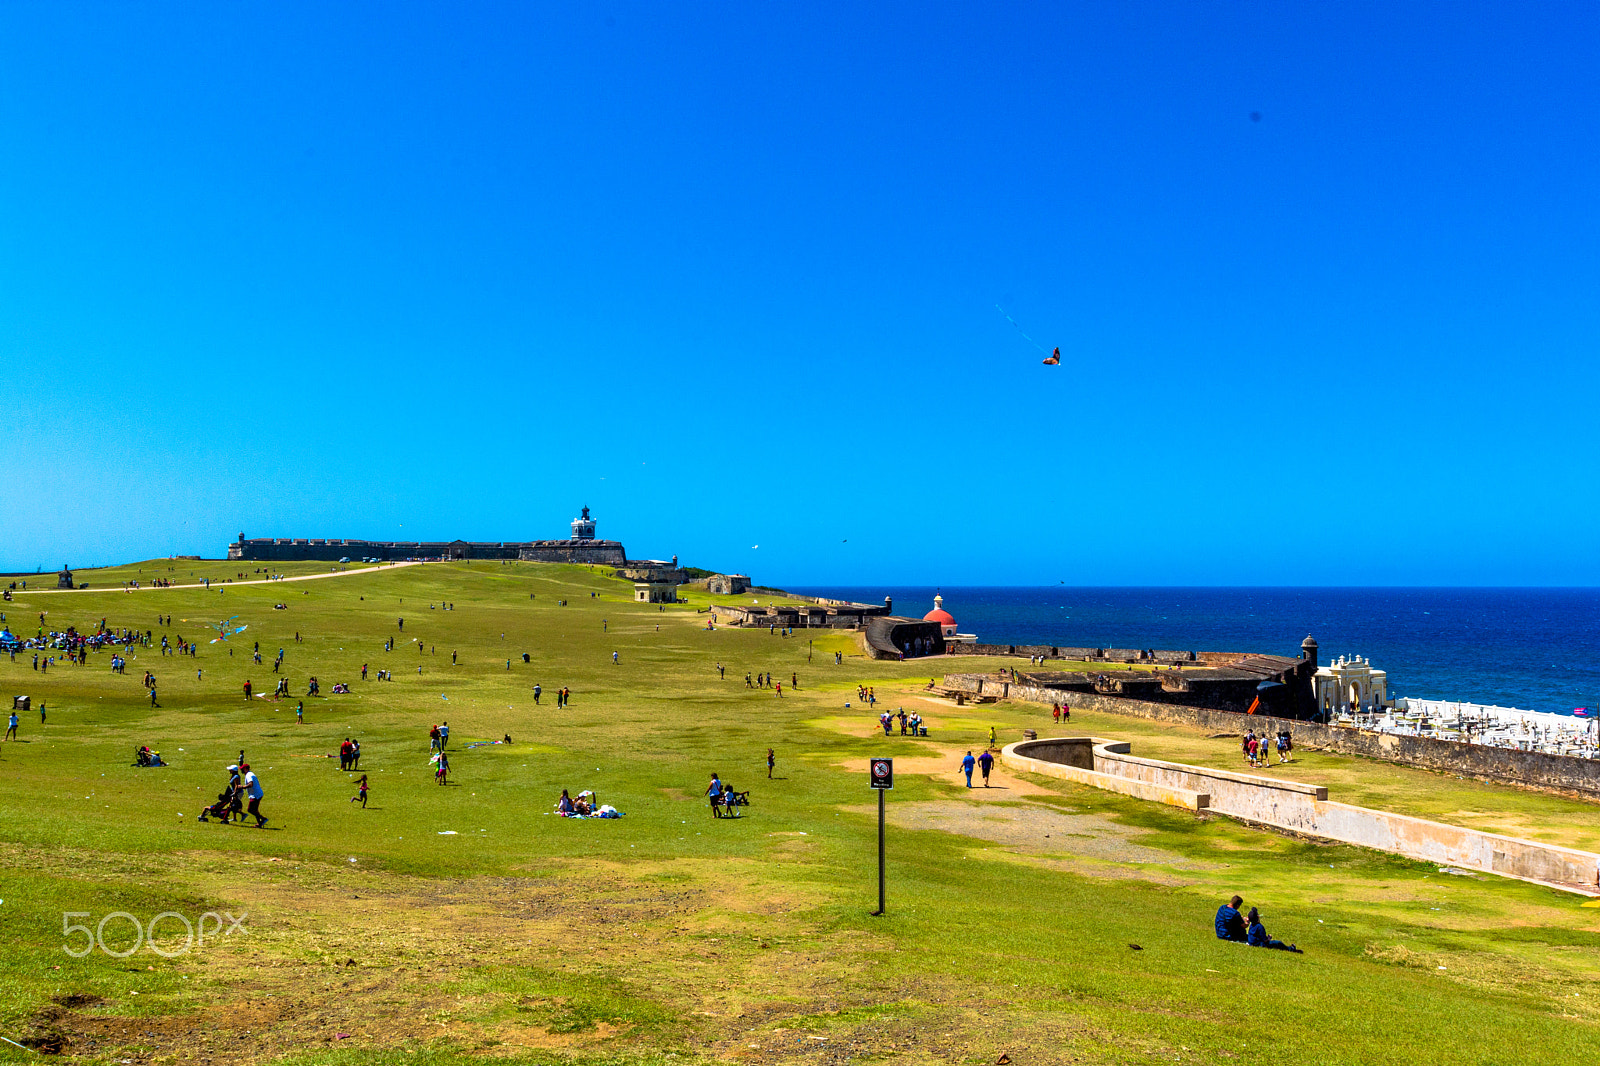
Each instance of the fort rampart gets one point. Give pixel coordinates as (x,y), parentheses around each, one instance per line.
(1301,808)
(1530,769)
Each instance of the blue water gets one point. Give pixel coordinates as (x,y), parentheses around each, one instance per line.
(1537,649)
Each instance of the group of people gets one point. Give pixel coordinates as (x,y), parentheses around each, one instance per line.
(1060,712)
(350,754)
(585,804)
(1247,928)
(239,799)
(910,724)
(1258,749)
(724,800)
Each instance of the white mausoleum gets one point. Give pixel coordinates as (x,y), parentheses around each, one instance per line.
(1349,683)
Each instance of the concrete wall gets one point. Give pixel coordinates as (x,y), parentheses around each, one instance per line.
(604,552)
(1305,809)
(1073,758)
(888,638)
(1528,769)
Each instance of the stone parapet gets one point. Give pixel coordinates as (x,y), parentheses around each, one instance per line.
(1303,808)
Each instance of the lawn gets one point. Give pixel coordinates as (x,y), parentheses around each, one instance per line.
(465,922)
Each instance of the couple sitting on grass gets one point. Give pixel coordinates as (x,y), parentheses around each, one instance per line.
(1246,929)
(584,804)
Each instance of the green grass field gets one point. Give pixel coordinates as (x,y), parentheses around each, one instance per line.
(468,923)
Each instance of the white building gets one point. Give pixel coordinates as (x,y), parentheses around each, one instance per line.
(1350,684)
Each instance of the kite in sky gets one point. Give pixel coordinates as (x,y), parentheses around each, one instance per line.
(227,629)
(1053,359)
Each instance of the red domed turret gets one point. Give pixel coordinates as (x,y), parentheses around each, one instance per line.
(942,616)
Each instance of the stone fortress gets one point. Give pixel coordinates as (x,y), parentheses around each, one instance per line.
(581,547)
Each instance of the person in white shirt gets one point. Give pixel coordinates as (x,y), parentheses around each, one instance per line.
(252,789)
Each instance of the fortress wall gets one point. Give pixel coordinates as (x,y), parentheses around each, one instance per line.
(1528,769)
(1113,654)
(1306,809)
(1069,759)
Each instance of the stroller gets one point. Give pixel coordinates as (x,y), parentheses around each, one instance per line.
(225,807)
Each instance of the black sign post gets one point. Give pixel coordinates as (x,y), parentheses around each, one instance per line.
(880,775)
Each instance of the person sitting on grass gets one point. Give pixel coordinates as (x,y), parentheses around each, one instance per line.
(1230,925)
(564,805)
(1258,937)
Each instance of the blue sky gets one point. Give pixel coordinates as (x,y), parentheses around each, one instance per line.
(728,275)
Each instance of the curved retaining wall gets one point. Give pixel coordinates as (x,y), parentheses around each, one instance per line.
(1303,809)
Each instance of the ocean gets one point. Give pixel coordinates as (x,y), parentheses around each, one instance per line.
(1531,648)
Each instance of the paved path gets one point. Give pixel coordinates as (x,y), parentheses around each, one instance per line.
(219,584)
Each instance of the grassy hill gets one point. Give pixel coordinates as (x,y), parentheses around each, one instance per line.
(468,923)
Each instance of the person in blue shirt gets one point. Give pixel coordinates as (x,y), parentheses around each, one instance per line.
(966,767)
(1258,937)
(985,761)
(1230,925)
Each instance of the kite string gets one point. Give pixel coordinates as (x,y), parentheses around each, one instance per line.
(1025,336)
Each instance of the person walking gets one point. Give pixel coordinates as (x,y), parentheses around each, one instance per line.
(966,767)
(441,775)
(11,730)
(985,762)
(444,735)
(247,690)
(772,761)
(613,658)
(253,789)
(537,691)
(361,791)
(433,739)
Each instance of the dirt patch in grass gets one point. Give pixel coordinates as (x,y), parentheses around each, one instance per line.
(591,955)
(1034,830)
